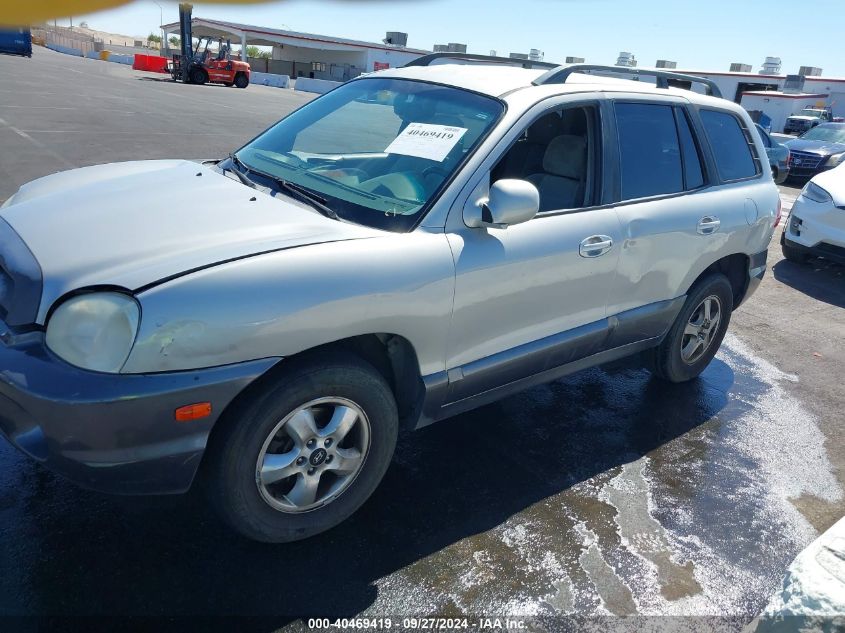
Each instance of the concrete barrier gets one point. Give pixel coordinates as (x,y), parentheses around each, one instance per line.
(320,86)
(122,59)
(269,79)
(65,49)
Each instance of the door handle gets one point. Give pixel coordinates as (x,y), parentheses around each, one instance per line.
(595,246)
(708,224)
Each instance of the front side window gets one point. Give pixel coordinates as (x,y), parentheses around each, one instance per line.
(649,152)
(377,151)
(731,145)
(557,154)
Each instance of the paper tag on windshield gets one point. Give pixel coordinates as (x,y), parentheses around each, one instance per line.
(426,140)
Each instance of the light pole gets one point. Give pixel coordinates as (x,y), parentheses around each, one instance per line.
(161,29)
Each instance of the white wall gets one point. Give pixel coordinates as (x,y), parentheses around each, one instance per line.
(394,58)
(836,90)
(778,108)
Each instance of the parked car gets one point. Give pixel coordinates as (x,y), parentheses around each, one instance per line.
(778,154)
(16,41)
(407,247)
(816,224)
(821,148)
(807,119)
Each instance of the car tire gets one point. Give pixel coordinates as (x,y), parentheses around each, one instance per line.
(678,358)
(341,385)
(792,254)
(198,76)
(241,80)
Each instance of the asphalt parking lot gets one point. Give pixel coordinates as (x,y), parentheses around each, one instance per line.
(603,493)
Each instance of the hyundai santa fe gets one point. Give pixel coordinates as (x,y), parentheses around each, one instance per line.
(416,243)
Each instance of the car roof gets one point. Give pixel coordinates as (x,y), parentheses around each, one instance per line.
(498,80)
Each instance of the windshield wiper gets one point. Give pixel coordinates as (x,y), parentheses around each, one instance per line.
(241,176)
(296,191)
(304,195)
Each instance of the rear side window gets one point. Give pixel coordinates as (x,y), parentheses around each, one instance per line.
(693,175)
(649,153)
(730,144)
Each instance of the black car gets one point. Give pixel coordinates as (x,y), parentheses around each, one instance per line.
(817,150)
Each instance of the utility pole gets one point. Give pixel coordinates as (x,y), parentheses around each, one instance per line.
(163,46)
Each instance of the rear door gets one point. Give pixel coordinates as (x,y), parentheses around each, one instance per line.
(675,212)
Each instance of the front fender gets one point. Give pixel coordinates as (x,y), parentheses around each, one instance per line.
(282,303)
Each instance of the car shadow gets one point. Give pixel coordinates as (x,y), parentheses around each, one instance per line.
(169,80)
(78,552)
(818,278)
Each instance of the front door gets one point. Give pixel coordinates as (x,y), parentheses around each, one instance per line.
(533,296)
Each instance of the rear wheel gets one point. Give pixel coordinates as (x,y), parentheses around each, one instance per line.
(697,333)
(241,80)
(198,76)
(306,453)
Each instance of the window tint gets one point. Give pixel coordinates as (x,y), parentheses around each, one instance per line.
(730,145)
(693,176)
(650,158)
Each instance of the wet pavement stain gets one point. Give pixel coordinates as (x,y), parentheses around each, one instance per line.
(605,492)
(642,534)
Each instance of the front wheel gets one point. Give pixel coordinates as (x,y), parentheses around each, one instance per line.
(697,333)
(198,76)
(306,453)
(241,81)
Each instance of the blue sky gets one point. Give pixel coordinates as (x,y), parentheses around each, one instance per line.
(699,35)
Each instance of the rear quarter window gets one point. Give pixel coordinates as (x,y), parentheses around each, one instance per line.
(731,145)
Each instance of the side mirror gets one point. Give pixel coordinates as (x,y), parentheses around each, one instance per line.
(510,201)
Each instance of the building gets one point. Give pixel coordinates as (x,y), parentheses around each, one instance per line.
(778,96)
(306,54)
(775,95)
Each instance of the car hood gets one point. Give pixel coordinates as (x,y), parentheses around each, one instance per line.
(134,224)
(802,117)
(823,148)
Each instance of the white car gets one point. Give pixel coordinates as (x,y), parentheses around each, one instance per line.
(816,225)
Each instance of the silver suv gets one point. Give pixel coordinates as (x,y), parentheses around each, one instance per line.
(411,245)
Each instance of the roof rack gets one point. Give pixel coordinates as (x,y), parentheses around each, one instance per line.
(426,60)
(560,74)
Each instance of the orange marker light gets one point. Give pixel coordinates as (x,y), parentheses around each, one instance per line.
(192,412)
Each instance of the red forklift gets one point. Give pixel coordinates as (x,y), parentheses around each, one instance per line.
(202,65)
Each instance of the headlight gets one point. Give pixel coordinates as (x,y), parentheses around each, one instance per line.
(836,159)
(813,192)
(8,202)
(95,331)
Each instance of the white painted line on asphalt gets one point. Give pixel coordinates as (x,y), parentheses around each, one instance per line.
(38,144)
(27,107)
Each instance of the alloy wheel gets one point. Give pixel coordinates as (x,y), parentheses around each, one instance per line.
(701,329)
(313,454)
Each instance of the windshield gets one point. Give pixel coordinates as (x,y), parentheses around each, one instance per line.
(829,133)
(376,150)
